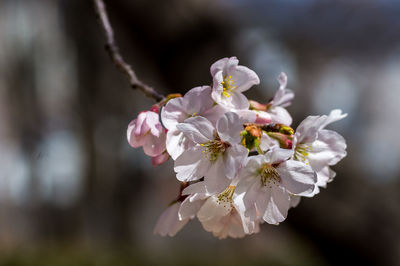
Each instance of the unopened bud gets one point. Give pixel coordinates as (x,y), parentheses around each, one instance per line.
(285,141)
(254,130)
(286,130)
(258,106)
(281,128)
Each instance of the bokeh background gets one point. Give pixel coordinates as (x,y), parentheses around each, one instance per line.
(73,192)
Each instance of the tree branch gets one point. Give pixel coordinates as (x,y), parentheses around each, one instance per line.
(117,58)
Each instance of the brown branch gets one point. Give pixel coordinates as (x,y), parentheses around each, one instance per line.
(117,58)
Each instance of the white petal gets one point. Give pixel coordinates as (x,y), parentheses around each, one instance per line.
(215,113)
(237,101)
(189,209)
(191,165)
(268,143)
(229,127)
(308,129)
(215,178)
(196,188)
(234,226)
(294,200)
(177,143)
(234,158)
(169,223)
(282,79)
(222,64)
(334,115)
(283,96)
(328,149)
(198,100)
(198,129)
(243,77)
(278,155)
(213,209)
(217,88)
(173,113)
(246,116)
(278,206)
(280,115)
(297,178)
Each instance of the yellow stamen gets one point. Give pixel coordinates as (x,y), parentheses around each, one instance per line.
(269,175)
(228,87)
(301,152)
(226,197)
(214,148)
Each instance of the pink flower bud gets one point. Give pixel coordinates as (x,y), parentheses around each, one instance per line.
(146,131)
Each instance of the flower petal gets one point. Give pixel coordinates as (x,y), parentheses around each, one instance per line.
(160,159)
(328,149)
(278,155)
(169,223)
(173,113)
(308,129)
(297,178)
(177,143)
(198,100)
(212,209)
(198,129)
(243,78)
(234,158)
(190,166)
(189,209)
(278,206)
(238,101)
(153,145)
(229,127)
(283,96)
(280,115)
(222,64)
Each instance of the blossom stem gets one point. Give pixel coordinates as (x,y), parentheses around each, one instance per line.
(116,56)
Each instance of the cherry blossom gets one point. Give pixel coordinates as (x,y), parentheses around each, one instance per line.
(319,147)
(217,153)
(195,102)
(240,163)
(268,182)
(220,211)
(146,131)
(229,81)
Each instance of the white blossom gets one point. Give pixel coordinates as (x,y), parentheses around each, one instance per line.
(217,153)
(229,81)
(268,182)
(319,147)
(239,162)
(195,102)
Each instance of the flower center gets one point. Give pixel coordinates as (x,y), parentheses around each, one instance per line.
(301,152)
(226,197)
(228,87)
(214,148)
(269,175)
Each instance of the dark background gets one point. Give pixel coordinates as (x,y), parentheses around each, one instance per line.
(73,192)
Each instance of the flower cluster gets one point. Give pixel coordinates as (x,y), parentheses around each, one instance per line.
(239,161)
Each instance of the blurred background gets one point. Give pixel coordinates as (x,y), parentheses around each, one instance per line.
(73,192)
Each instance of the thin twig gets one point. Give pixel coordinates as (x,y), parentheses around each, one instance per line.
(115,55)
